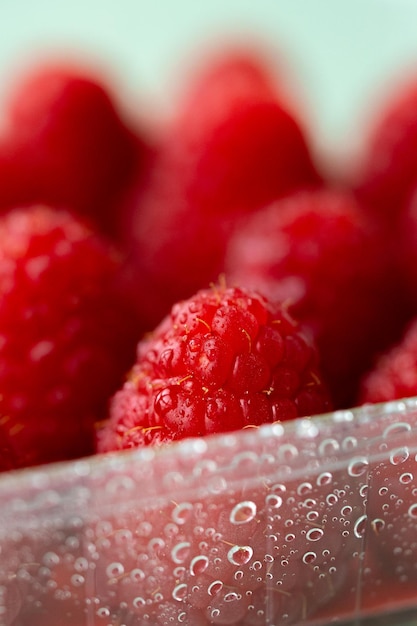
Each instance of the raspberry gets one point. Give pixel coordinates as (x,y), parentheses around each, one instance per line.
(232,147)
(317,251)
(222,360)
(66,337)
(389,172)
(67,144)
(394,375)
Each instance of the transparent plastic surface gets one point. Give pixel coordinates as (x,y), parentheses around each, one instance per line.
(308,522)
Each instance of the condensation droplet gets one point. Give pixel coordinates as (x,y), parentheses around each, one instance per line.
(180,592)
(331,499)
(328,447)
(399,455)
(349,443)
(304,488)
(346,510)
(360,526)
(77,580)
(181,552)
(396,429)
(324,479)
(377,525)
(412,511)
(215,587)
(138,602)
(309,557)
(287,452)
(312,516)
(114,570)
(358,466)
(240,555)
(198,565)
(243,512)
(137,575)
(273,500)
(50,559)
(314,534)
(182,512)
(406,478)
(81,564)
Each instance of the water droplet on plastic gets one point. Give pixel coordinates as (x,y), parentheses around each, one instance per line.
(198,565)
(114,570)
(314,534)
(406,478)
(328,447)
(240,555)
(81,564)
(215,587)
(182,512)
(181,552)
(138,602)
(180,592)
(331,499)
(412,511)
(243,512)
(377,525)
(304,488)
(358,466)
(273,500)
(309,557)
(324,479)
(399,455)
(137,575)
(360,526)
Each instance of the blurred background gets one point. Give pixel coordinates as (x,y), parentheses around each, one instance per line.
(339,51)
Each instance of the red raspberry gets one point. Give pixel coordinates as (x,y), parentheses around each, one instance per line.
(318,252)
(68,143)
(66,334)
(394,374)
(389,171)
(222,360)
(232,147)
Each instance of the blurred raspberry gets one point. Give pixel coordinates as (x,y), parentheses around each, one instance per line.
(67,333)
(68,143)
(318,252)
(232,146)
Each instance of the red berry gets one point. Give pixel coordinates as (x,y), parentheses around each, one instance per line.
(394,374)
(232,147)
(318,252)
(68,143)
(66,336)
(388,171)
(223,360)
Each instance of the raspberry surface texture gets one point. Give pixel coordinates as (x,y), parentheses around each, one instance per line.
(67,334)
(223,360)
(318,252)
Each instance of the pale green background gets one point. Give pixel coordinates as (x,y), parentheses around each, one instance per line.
(341,50)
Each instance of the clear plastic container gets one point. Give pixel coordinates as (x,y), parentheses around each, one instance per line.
(309,522)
